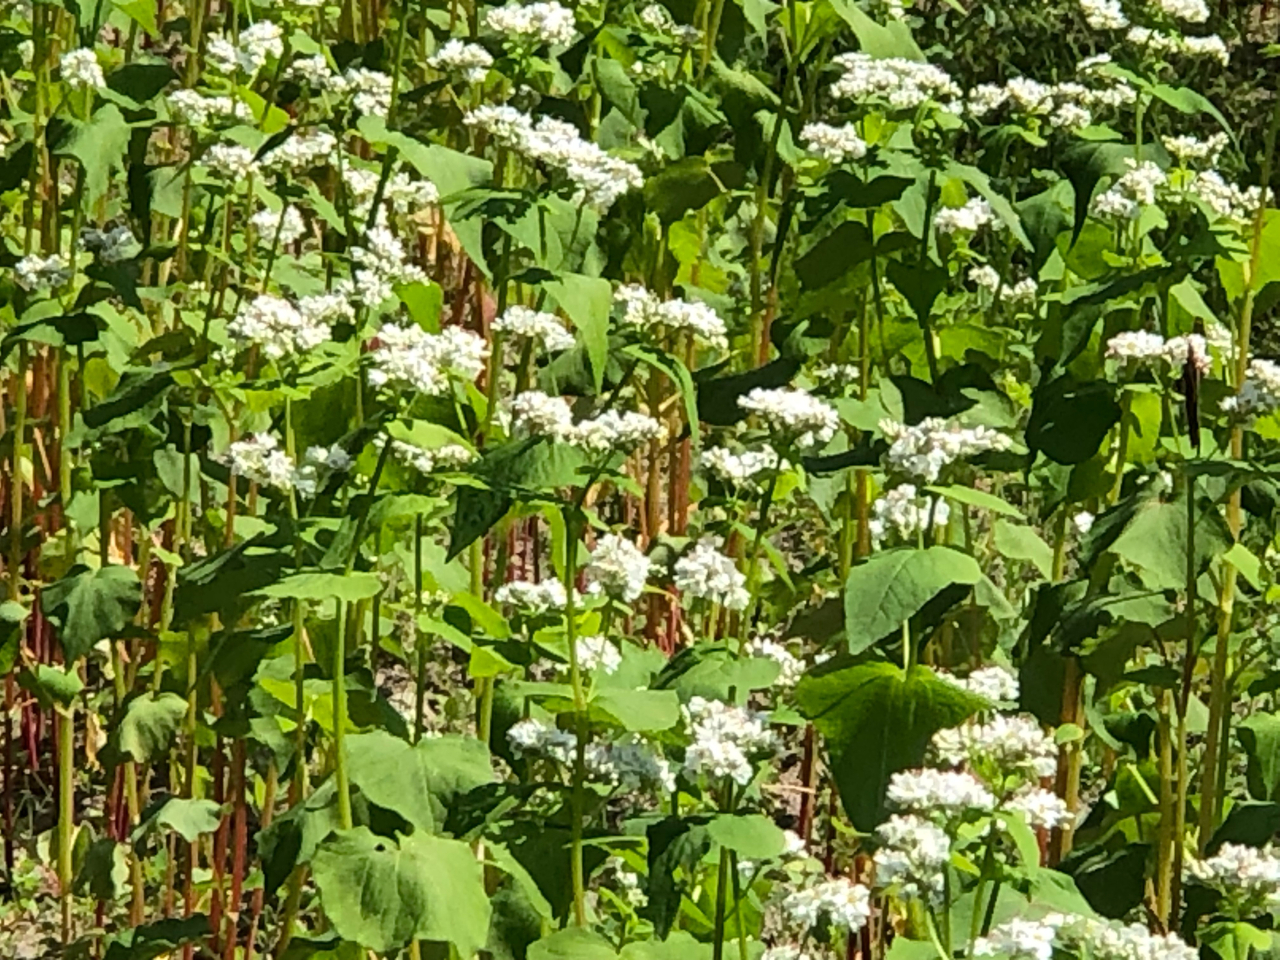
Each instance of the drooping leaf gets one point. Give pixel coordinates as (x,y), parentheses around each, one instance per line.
(99,145)
(381,894)
(153,940)
(149,724)
(1069,421)
(587,302)
(319,585)
(832,257)
(876,720)
(89,605)
(189,818)
(751,836)
(1260,737)
(575,943)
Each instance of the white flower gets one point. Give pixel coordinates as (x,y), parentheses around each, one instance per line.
(379,264)
(537,739)
(1104,14)
(469,59)
(110,246)
(545,329)
(1260,392)
(285,225)
(1012,744)
(314,72)
(1083,522)
(1019,939)
(925,449)
(80,70)
(898,83)
(834,144)
(400,193)
(449,457)
(532,598)
(617,568)
(634,765)
(643,310)
(613,431)
(278,327)
(1144,349)
(938,791)
(598,653)
(1178,43)
(992,683)
(257,43)
(259,459)
(905,514)
(1225,199)
(970,218)
(302,150)
(1190,11)
(913,853)
(745,469)
(369,90)
(1133,190)
(786,951)
(841,902)
(707,574)
(230,161)
(1187,148)
(795,416)
(35,272)
(536,414)
(410,357)
(1040,808)
(194,108)
(538,23)
(1245,873)
(724,739)
(791,667)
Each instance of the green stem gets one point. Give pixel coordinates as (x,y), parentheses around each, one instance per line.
(340,719)
(66,811)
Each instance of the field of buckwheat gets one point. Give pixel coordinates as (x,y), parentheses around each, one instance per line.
(680,480)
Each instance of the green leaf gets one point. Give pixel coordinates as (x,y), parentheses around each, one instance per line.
(1087,162)
(575,943)
(316,585)
(711,670)
(381,894)
(1069,422)
(1188,101)
(50,685)
(1045,216)
(687,184)
(153,940)
(587,301)
(893,586)
(90,605)
(832,257)
(98,145)
(420,781)
(188,818)
(638,710)
(141,12)
(1000,204)
(1017,541)
(105,870)
(978,498)
(149,725)
(1155,541)
(751,836)
(1260,737)
(875,721)
(876,40)
(919,283)
(424,301)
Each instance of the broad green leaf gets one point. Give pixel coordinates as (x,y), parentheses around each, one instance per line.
(141,12)
(99,146)
(587,301)
(1249,566)
(711,670)
(316,585)
(51,686)
(639,710)
(575,943)
(978,498)
(420,781)
(876,720)
(1155,541)
(876,40)
(1000,204)
(893,586)
(188,818)
(832,257)
(919,283)
(424,300)
(382,894)
(149,724)
(89,605)
(1260,737)
(158,939)
(751,836)
(1069,421)
(687,184)
(1016,541)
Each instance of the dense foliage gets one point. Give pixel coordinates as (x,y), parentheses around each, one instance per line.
(648,480)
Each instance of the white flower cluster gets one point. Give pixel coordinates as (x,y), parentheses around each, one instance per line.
(301,151)
(534,738)
(644,310)
(449,457)
(705,573)
(658,19)
(1011,744)
(925,449)
(470,60)
(368,90)
(410,357)
(314,72)
(545,330)
(1160,43)
(795,416)
(1225,199)
(285,225)
(80,70)
(1104,14)
(259,459)
(1019,939)
(256,44)
(839,901)
(1186,148)
(282,329)
(724,739)
(230,161)
(1259,395)
(834,144)
(598,178)
(112,245)
(1190,11)
(945,792)
(34,272)
(539,415)
(1145,349)
(987,278)
(898,83)
(1066,106)
(1040,808)
(912,854)
(1131,191)
(1246,874)
(532,598)
(791,667)
(746,469)
(538,23)
(196,109)
(401,193)
(992,683)
(905,513)
(378,265)
(597,653)
(970,218)
(617,569)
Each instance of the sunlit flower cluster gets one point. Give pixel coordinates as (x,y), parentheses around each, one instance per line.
(838,901)
(904,513)
(1019,939)
(469,60)
(644,310)
(834,144)
(795,417)
(408,357)
(1131,191)
(747,469)
(725,738)
(532,597)
(925,449)
(911,856)
(617,569)
(969,218)
(1260,392)
(544,330)
(538,23)
(898,83)
(945,792)
(1009,744)
(1247,876)
(256,44)
(704,573)
(1142,348)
